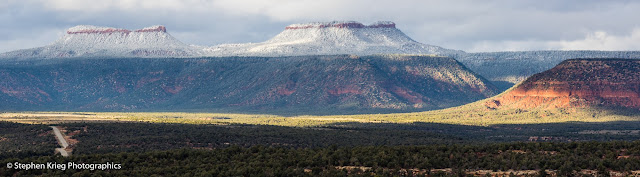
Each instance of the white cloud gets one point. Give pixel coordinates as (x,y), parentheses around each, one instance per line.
(493,25)
(127,5)
(492,46)
(597,40)
(601,40)
(40,38)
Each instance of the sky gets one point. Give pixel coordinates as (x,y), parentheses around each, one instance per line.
(472,26)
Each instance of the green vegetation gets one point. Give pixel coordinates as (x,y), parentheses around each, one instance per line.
(140,137)
(319,85)
(206,144)
(563,159)
(20,140)
(470,114)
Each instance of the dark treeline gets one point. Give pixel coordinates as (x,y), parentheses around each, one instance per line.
(23,140)
(138,137)
(565,158)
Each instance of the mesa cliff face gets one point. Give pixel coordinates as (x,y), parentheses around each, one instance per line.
(578,83)
(329,84)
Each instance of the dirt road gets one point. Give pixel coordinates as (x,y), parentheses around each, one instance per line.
(61,141)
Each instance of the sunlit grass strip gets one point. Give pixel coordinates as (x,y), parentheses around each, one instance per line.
(460,115)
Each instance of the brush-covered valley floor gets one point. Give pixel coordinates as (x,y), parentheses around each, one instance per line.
(451,142)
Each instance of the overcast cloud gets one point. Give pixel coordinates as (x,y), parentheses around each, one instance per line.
(473,26)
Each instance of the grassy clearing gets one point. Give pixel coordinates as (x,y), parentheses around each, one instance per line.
(471,114)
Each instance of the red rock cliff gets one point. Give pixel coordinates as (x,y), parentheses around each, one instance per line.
(348,24)
(578,83)
(98,31)
(153,29)
(88,29)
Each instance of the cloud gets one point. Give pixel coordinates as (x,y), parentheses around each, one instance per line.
(601,40)
(126,5)
(492,25)
(598,40)
(41,38)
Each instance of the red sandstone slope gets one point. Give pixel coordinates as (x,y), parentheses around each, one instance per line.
(307,84)
(577,83)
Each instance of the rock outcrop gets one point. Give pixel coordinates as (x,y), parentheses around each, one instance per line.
(307,84)
(578,83)
(336,24)
(87,29)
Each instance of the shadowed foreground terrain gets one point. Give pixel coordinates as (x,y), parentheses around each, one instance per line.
(336,150)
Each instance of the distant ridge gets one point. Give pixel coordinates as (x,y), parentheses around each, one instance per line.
(318,38)
(325,84)
(514,67)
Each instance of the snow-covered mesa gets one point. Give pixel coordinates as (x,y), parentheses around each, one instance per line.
(324,38)
(332,38)
(95,41)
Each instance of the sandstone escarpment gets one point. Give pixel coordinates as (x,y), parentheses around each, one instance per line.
(348,24)
(578,83)
(310,84)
